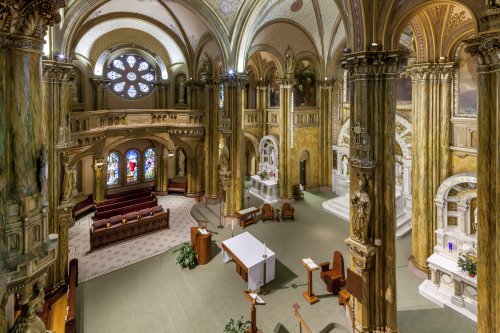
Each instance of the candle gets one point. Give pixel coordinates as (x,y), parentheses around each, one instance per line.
(264,249)
(232,225)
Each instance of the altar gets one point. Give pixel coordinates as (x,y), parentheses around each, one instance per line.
(265,184)
(265,189)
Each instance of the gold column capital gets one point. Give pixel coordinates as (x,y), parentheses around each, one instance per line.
(57,71)
(374,62)
(485,48)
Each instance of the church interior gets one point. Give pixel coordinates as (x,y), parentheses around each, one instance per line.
(249,166)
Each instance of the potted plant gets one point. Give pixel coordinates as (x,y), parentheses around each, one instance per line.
(467,263)
(263,175)
(186,257)
(237,327)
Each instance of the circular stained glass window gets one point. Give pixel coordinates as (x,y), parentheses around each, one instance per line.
(131,76)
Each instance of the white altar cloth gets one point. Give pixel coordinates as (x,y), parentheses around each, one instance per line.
(249,251)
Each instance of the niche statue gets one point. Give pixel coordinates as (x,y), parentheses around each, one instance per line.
(361,210)
(28,321)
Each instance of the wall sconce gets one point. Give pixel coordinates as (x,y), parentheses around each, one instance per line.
(170,153)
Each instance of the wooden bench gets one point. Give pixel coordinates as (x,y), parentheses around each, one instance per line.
(122,193)
(70,325)
(124,210)
(177,187)
(124,198)
(83,207)
(108,232)
(126,203)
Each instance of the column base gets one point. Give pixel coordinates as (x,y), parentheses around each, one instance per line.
(419,271)
(212,201)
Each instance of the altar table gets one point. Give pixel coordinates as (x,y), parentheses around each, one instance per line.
(247,252)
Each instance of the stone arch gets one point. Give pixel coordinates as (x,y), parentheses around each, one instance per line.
(276,143)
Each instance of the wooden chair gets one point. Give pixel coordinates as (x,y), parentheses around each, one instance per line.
(297,192)
(267,212)
(334,278)
(287,211)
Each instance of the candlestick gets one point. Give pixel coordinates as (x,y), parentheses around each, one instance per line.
(265,255)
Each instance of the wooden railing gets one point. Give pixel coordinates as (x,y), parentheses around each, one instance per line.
(302,323)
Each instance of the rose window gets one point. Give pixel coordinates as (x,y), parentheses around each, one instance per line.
(131,76)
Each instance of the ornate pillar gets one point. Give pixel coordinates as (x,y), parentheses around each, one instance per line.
(286,139)
(325,135)
(372,83)
(432,96)
(28,251)
(161,94)
(234,103)
(486,49)
(161,169)
(191,176)
(211,102)
(192,94)
(100,93)
(262,92)
(100,170)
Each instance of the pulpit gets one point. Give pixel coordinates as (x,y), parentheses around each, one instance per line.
(201,241)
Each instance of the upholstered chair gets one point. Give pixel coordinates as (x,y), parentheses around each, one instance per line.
(334,278)
(297,192)
(287,211)
(267,212)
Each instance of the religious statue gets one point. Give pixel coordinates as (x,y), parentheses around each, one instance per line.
(182,164)
(68,182)
(206,65)
(182,91)
(475,219)
(28,321)
(345,165)
(42,173)
(224,158)
(290,66)
(361,210)
(272,157)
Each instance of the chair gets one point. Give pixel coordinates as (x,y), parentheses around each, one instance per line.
(334,278)
(267,212)
(297,192)
(287,211)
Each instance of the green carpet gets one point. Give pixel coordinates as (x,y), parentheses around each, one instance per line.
(157,296)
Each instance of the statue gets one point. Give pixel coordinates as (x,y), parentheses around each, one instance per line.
(289,61)
(475,219)
(224,158)
(28,321)
(272,157)
(182,91)
(493,3)
(68,182)
(345,165)
(182,164)
(206,65)
(361,210)
(42,173)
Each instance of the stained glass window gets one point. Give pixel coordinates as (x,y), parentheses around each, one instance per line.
(132,166)
(221,96)
(149,163)
(131,76)
(113,177)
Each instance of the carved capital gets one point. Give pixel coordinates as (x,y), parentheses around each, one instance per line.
(234,81)
(362,255)
(374,63)
(57,71)
(101,83)
(485,48)
(432,72)
(326,84)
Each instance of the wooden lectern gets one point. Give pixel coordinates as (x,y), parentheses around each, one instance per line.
(254,299)
(308,294)
(202,245)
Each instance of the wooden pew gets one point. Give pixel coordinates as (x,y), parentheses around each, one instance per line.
(124,198)
(124,210)
(112,195)
(176,187)
(124,203)
(83,207)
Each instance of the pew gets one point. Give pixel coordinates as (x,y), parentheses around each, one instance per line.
(82,207)
(119,194)
(125,203)
(120,199)
(176,187)
(124,210)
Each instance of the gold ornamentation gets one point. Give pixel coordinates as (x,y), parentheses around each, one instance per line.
(361,210)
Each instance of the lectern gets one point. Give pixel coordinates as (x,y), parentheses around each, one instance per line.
(254,299)
(201,241)
(308,294)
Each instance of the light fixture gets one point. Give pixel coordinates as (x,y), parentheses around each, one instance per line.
(230,72)
(170,153)
(60,56)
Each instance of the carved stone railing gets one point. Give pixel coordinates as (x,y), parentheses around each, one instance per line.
(89,127)
(306,117)
(254,117)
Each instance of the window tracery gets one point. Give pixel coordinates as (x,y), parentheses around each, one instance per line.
(131,76)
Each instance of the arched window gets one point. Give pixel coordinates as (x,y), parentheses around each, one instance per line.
(149,163)
(113,177)
(132,166)
(131,76)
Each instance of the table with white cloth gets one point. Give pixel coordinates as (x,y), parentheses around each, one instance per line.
(247,252)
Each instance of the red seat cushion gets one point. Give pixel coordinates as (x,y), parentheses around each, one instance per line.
(157,209)
(131,216)
(145,212)
(115,219)
(100,224)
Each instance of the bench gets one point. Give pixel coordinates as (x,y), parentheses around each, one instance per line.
(122,227)
(70,320)
(177,187)
(120,199)
(124,210)
(83,207)
(121,193)
(125,203)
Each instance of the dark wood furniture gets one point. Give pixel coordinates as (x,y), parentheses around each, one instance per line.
(247,216)
(123,198)
(202,245)
(297,192)
(267,212)
(344,297)
(241,269)
(124,210)
(334,278)
(124,203)
(106,232)
(176,187)
(308,294)
(83,207)
(112,194)
(287,211)
(70,325)
(254,300)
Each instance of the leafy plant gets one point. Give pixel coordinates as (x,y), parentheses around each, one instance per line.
(237,327)
(263,174)
(467,263)
(186,257)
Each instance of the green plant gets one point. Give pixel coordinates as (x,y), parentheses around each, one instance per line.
(186,257)
(237,327)
(467,263)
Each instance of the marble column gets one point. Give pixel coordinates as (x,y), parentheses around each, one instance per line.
(432,96)
(161,95)
(372,83)
(101,85)
(161,169)
(234,103)
(325,135)
(286,139)
(211,103)
(486,50)
(100,170)
(57,78)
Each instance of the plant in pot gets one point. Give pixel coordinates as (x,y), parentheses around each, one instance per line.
(467,263)
(237,327)
(186,257)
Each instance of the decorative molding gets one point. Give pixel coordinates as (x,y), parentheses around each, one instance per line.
(485,48)
(374,63)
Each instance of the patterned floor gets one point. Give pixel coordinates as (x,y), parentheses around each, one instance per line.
(100,262)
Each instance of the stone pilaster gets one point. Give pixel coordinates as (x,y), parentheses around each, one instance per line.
(486,49)
(432,96)
(262,97)
(100,170)
(161,94)
(286,139)
(372,82)
(192,94)
(234,103)
(161,170)
(100,93)
(325,135)
(211,103)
